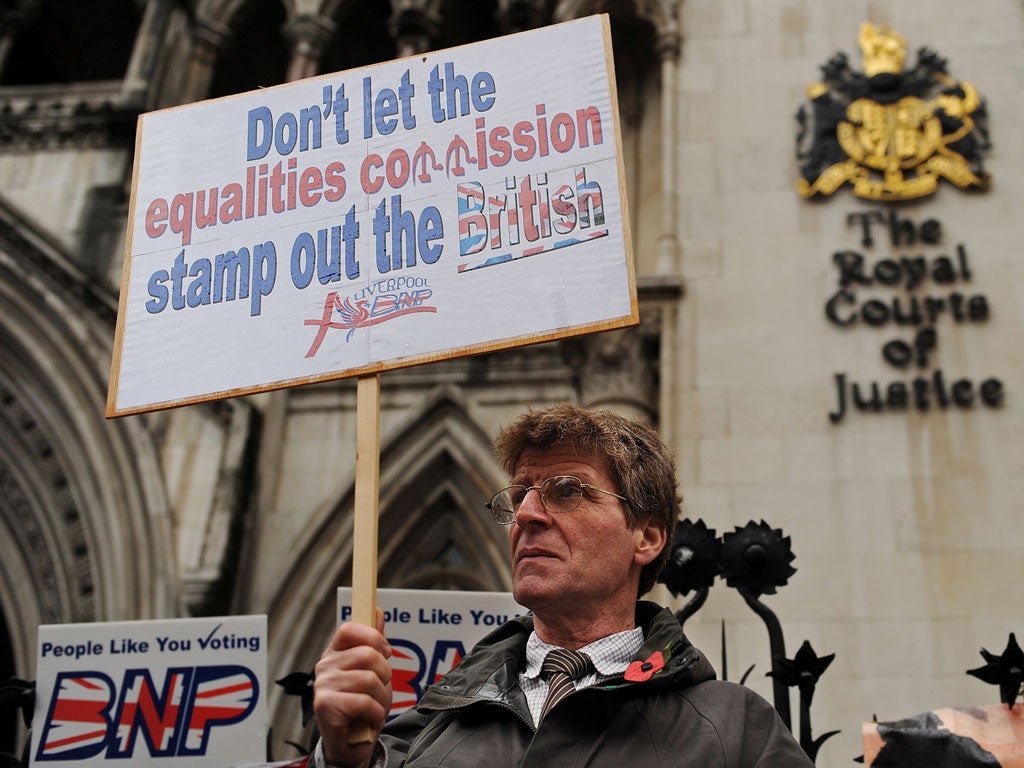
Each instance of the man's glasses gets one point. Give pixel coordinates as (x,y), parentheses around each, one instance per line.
(558,494)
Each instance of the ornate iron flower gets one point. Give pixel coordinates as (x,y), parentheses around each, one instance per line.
(803,670)
(18,694)
(695,560)
(757,557)
(1006,671)
(300,684)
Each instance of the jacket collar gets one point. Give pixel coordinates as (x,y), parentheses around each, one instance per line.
(491,669)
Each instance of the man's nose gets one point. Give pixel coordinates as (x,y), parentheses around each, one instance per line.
(532,510)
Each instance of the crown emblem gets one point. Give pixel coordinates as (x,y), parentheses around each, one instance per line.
(892,133)
(883,49)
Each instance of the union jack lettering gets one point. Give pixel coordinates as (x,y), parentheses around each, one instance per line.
(176,720)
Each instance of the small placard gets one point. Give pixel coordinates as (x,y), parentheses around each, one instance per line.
(137,693)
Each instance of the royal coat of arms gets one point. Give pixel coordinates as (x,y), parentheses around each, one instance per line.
(891,133)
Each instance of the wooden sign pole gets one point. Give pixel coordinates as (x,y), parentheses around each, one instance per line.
(364,526)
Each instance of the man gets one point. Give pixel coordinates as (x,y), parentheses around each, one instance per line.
(591,509)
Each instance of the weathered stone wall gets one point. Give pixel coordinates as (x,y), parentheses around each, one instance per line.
(905,524)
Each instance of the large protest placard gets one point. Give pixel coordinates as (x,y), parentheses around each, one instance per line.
(430,631)
(446,204)
(140,693)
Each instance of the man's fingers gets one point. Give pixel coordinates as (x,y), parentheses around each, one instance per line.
(352,690)
(372,680)
(351,635)
(339,714)
(353,666)
(342,696)
(351,706)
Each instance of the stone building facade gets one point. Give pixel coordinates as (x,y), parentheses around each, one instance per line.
(904,521)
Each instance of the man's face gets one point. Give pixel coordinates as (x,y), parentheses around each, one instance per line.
(578,562)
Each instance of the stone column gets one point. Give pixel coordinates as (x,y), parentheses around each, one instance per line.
(208,39)
(619,369)
(669,45)
(135,89)
(307,35)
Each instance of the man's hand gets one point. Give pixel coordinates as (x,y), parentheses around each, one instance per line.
(353,685)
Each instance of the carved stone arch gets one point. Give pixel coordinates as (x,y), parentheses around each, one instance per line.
(362,35)
(433,523)
(84,528)
(438,457)
(224,12)
(236,46)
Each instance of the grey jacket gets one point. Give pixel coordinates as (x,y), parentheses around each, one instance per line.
(476,716)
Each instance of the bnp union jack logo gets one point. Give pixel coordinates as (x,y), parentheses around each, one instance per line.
(377,303)
(90,715)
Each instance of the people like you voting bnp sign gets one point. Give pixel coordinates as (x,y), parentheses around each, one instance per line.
(184,692)
(451,203)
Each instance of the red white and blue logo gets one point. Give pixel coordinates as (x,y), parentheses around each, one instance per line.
(377,303)
(90,715)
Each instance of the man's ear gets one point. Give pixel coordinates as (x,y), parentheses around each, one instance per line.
(650,539)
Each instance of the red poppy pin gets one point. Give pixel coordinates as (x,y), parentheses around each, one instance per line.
(639,671)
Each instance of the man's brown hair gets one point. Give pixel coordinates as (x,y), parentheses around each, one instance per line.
(637,460)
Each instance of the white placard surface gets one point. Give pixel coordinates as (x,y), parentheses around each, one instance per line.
(430,631)
(447,204)
(191,693)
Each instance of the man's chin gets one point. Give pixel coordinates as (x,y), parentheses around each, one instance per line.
(534,590)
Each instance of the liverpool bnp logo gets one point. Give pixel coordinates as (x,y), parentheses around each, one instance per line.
(891,133)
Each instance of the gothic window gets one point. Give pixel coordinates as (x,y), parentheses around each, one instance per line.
(444,553)
(256,53)
(68,41)
(361,38)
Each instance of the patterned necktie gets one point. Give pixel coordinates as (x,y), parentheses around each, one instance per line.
(563,667)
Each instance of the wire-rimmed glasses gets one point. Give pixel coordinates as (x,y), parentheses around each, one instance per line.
(561,493)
